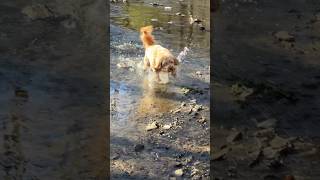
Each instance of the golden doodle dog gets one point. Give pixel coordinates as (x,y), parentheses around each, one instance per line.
(158,58)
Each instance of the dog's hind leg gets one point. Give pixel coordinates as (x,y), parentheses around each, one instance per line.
(157,71)
(158,64)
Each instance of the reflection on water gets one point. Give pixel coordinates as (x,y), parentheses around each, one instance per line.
(180,33)
(157,98)
(131,101)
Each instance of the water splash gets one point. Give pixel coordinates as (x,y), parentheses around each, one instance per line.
(183,54)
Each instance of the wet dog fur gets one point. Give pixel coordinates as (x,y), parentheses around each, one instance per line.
(157,58)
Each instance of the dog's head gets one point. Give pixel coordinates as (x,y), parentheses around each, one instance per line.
(172,70)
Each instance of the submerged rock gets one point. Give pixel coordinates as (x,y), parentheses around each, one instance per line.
(138,147)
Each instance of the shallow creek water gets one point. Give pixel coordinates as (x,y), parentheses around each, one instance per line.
(131,92)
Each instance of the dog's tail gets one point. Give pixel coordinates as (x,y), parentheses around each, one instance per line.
(146,36)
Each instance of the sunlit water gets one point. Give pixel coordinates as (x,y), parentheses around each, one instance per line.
(133,93)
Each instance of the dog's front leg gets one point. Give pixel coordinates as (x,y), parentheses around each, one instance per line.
(145,63)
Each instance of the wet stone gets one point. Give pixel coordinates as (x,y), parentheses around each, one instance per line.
(167,126)
(201,27)
(198,73)
(152,126)
(139,148)
(178,172)
(202,120)
(155,4)
(115,156)
(123,65)
(197,108)
(167,8)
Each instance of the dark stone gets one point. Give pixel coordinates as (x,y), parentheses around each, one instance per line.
(139,148)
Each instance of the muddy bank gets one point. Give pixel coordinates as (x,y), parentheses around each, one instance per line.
(159,131)
(52,81)
(266,70)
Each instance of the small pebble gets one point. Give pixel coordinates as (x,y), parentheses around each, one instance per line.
(167,8)
(178,172)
